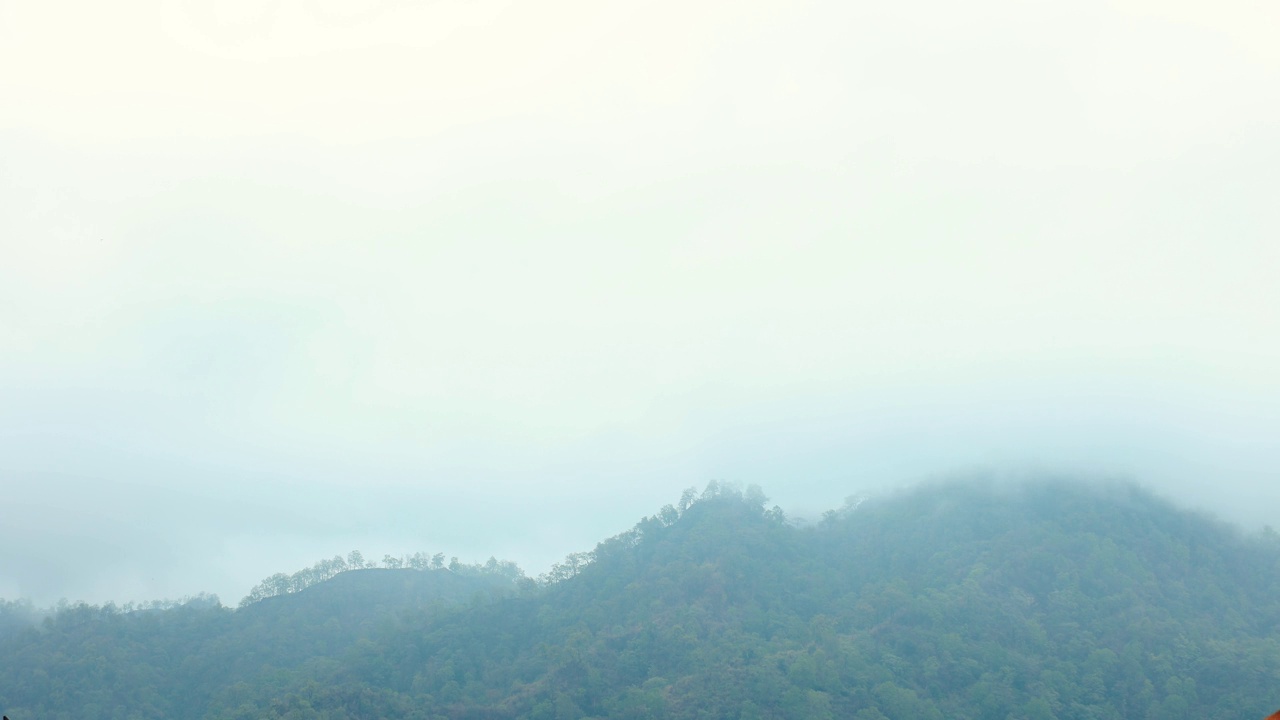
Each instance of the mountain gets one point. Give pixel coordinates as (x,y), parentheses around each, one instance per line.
(961,600)
(84,661)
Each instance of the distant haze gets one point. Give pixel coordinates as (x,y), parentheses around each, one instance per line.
(279,280)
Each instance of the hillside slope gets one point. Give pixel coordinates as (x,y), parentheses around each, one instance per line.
(101,662)
(1049,600)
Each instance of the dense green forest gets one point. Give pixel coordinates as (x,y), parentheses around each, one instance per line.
(962,600)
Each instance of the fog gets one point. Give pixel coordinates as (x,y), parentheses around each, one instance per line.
(286,279)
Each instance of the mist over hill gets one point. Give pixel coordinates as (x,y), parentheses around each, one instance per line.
(968,599)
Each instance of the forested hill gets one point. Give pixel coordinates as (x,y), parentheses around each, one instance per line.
(1045,600)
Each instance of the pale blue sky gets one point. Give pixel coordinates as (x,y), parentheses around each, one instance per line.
(285,279)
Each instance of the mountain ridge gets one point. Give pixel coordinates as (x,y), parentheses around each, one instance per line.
(1038,600)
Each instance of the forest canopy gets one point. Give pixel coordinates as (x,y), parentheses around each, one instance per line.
(1038,600)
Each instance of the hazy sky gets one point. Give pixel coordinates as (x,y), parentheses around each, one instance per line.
(279,279)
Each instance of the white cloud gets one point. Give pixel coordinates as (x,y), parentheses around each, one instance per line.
(540,261)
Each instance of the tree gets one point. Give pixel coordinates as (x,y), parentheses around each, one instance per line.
(668,515)
(687,499)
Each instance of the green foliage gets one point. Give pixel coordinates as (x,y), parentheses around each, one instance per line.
(1045,601)
(282,584)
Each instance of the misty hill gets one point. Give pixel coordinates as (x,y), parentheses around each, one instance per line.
(325,619)
(87,661)
(356,597)
(1047,600)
